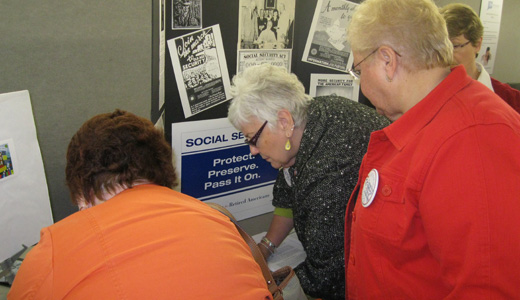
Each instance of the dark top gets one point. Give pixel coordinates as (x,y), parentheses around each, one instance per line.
(325,173)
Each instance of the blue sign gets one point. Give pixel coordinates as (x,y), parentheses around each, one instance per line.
(224,170)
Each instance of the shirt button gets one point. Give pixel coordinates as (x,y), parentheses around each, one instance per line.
(353,216)
(386,190)
(353,260)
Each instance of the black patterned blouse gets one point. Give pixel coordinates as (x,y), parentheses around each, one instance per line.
(325,173)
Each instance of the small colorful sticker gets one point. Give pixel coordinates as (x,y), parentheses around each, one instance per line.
(6,161)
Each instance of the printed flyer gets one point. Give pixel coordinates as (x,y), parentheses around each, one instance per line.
(334,84)
(490,15)
(327,44)
(200,68)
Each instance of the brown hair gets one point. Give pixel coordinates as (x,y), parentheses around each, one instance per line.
(116,149)
(461,19)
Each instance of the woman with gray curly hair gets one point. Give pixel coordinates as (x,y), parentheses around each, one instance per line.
(318,145)
(435,212)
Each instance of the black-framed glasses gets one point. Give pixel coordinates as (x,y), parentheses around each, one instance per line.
(356,73)
(254,139)
(460,46)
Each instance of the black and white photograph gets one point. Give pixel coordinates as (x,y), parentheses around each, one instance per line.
(186,14)
(265,24)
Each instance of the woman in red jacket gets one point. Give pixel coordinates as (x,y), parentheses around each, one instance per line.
(435,212)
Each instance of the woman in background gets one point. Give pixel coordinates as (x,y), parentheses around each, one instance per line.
(318,146)
(134,237)
(466,33)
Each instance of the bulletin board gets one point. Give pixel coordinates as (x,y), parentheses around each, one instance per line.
(198,35)
(226,15)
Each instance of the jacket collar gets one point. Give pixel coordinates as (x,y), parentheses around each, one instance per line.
(401,131)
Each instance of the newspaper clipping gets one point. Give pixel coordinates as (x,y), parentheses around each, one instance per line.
(200,69)
(326,44)
(334,84)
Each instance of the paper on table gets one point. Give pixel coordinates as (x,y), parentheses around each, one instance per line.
(289,253)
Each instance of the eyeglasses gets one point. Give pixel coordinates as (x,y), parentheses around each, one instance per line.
(455,47)
(254,139)
(357,74)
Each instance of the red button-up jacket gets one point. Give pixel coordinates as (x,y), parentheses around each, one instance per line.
(445,220)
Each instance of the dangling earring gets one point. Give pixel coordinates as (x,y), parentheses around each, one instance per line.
(388,79)
(288,144)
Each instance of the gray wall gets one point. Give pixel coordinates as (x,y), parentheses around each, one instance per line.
(77,59)
(507,64)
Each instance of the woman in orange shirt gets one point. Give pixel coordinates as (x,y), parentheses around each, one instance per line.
(134,237)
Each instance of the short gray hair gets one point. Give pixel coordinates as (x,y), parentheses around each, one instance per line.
(413,28)
(262,91)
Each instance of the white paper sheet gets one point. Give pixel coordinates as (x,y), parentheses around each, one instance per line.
(289,253)
(24,198)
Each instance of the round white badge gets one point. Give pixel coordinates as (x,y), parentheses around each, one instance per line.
(370,188)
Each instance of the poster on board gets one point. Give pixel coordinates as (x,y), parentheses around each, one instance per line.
(200,68)
(327,43)
(186,14)
(25,205)
(343,85)
(490,15)
(265,24)
(214,164)
(249,58)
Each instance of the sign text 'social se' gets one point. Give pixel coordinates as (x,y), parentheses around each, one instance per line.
(213,139)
